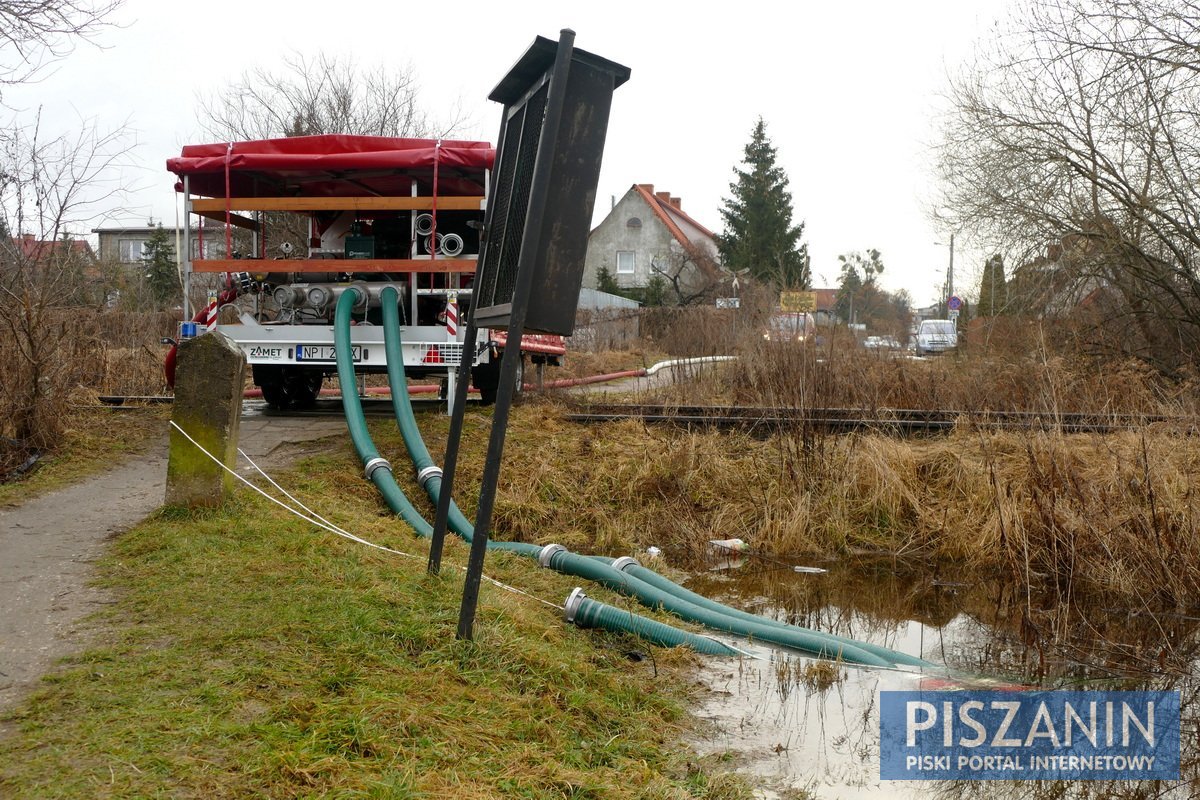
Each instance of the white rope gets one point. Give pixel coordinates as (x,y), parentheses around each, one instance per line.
(321,522)
(285,492)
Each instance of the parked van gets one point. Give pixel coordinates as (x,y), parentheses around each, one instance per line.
(936,336)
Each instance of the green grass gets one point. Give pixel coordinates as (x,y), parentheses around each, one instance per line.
(251,655)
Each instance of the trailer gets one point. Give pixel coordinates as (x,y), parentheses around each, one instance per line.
(306,219)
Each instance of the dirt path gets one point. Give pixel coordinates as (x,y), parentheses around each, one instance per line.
(48,546)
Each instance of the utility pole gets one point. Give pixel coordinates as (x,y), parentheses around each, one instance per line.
(950,273)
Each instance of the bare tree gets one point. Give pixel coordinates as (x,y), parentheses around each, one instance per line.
(1078,128)
(692,274)
(50,187)
(315,95)
(322,94)
(34,33)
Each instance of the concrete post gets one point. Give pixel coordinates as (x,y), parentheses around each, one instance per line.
(209,380)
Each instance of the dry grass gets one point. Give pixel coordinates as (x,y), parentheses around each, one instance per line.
(80,353)
(1078,513)
(1113,513)
(844,376)
(93,440)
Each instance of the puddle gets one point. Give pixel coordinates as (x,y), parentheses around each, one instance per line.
(802,727)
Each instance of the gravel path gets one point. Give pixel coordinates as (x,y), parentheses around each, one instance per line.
(48,546)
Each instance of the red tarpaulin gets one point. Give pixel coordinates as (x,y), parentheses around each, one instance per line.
(332,165)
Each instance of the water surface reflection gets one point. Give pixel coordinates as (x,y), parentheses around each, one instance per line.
(802,726)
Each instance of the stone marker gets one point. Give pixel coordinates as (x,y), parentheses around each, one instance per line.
(209,380)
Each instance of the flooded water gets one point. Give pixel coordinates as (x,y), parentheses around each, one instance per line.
(811,729)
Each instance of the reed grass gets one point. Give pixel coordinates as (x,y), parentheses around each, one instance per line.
(1105,513)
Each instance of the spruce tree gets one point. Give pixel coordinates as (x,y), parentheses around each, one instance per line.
(162,277)
(759,234)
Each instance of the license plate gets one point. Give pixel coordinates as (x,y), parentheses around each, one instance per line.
(324,352)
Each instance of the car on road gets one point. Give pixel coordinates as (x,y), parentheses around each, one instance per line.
(881,343)
(936,336)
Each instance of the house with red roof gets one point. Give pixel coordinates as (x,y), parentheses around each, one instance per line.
(648,233)
(29,249)
(65,266)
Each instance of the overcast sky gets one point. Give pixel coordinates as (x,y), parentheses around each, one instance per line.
(849,92)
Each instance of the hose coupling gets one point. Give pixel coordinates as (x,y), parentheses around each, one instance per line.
(378,462)
(547,553)
(574,601)
(424,476)
(623,563)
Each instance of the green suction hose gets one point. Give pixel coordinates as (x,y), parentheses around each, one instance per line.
(429,475)
(560,559)
(376,468)
(632,567)
(587,613)
(667,585)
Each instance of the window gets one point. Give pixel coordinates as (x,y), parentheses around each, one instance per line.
(214,246)
(130,250)
(633,222)
(624,262)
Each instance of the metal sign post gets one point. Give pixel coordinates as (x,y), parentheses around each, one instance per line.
(557,101)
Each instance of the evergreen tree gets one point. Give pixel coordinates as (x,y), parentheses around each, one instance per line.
(605,282)
(993,291)
(655,294)
(162,277)
(759,234)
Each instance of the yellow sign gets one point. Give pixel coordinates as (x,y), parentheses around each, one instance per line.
(797,301)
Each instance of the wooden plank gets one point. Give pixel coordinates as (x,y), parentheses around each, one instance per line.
(334,265)
(236,220)
(202,204)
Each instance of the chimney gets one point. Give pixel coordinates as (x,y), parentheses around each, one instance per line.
(649,187)
(664,197)
(676,202)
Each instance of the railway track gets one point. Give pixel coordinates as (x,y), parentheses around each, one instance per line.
(894,421)
(886,420)
(323,407)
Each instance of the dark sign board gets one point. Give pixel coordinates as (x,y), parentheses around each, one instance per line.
(543,188)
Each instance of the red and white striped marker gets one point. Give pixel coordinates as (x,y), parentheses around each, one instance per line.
(452,315)
(210,316)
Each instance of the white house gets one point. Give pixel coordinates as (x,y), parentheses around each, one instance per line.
(648,233)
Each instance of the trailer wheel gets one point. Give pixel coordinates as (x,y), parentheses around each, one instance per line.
(486,378)
(519,388)
(288,388)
